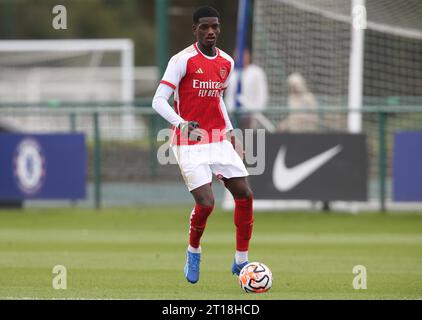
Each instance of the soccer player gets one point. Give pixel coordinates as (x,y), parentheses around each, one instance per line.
(202,140)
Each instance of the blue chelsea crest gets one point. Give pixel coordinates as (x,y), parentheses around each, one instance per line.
(29,166)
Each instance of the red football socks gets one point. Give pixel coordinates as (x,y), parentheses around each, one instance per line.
(243,219)
(198,221)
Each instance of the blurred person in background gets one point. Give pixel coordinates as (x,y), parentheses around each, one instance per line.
(300,98)
(253,95)
(307,120)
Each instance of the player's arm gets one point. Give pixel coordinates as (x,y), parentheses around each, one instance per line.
(237,145)
(229,126)
(175,71)
(163,108)
(229,129)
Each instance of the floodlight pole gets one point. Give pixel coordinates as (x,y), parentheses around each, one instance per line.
(8,20)
(161,59)
(161,35)
(358,26)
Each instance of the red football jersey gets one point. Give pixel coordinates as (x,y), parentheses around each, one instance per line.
(198,82)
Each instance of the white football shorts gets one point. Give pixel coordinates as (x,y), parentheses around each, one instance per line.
(198,162)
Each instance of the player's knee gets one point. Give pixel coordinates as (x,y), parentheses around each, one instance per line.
(245,193)
(206,202)
(249,194)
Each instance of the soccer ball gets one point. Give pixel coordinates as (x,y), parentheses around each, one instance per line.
(255,277)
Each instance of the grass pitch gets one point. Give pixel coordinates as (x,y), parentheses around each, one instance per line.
(140,254)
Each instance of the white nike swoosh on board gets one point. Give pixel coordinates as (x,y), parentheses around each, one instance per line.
(285,178)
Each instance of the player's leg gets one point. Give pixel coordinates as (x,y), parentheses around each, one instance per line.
(197,176)
(204,203)
(232,171)
(243,218)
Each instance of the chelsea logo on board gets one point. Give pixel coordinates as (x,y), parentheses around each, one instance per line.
(29,164)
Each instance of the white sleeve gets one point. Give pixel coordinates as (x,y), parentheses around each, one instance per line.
(161,105)
(176,70)
(230,93)
(229,86)
(229,125)
(227,82)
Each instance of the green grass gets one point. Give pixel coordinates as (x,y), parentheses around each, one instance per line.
(140,253)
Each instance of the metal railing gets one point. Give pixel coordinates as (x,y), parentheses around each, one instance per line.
(111,155)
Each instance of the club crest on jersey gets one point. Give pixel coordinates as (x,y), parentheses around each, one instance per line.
(223,72)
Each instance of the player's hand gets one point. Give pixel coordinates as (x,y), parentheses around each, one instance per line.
(191,130)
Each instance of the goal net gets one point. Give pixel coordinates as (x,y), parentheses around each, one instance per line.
(36,73)
(314,38)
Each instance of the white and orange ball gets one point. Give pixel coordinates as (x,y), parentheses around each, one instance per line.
(255,277)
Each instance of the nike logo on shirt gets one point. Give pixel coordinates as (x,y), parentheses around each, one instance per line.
(285,178)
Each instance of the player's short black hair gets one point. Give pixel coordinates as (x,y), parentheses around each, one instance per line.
(204,12)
